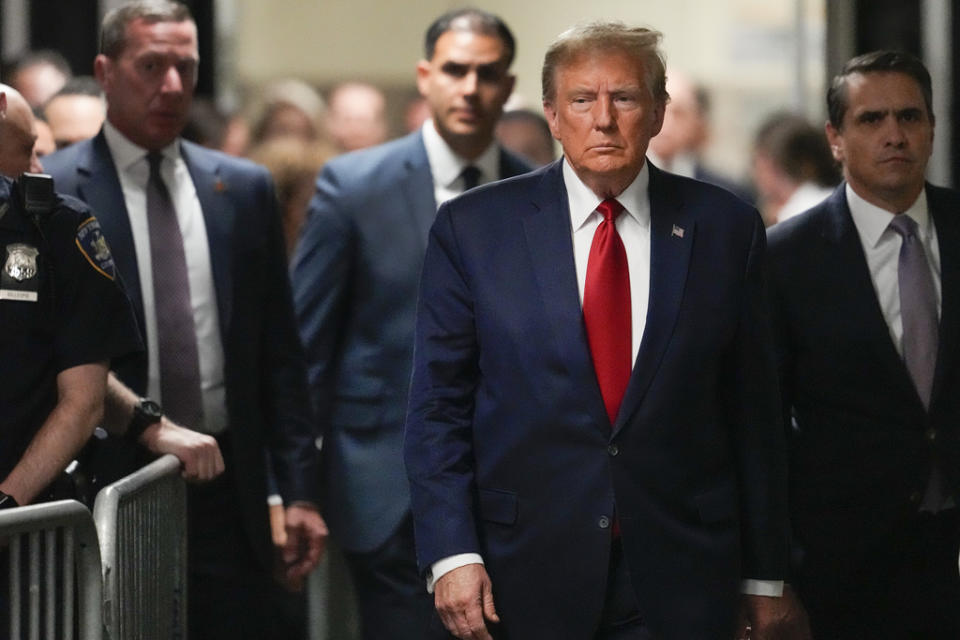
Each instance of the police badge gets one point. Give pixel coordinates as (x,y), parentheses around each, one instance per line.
(21,262)
(19,279)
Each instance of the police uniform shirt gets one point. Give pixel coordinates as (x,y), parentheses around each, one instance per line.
(60,306)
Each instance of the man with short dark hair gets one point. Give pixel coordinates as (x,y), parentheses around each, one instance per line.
(527,134)
(865,289)
(355,284)
(792,166)
(76,112)
(593,437)
(40,74)
(197,237)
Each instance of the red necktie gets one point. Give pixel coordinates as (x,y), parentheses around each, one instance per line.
(606,308)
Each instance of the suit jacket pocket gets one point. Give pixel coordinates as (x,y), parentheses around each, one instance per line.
(498,506)
(718,504)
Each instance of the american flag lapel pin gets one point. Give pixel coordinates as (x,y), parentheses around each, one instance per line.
(677,231)
(219,187)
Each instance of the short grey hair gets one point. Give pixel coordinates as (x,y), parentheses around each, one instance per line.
(113,32)
(641,43)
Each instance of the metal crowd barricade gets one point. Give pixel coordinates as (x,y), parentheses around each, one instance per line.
(142,524)
(52,583)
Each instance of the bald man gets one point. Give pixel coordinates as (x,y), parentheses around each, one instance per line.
(18,134)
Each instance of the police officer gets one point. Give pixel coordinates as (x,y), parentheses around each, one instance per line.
(124,414)
(63,317)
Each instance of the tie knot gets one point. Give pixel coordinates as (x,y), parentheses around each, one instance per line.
(904,225)
(471,177)
(610,209)
(155,158)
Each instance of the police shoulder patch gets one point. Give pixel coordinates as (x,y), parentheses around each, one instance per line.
(93,246)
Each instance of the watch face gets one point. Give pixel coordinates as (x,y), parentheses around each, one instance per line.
(151,409)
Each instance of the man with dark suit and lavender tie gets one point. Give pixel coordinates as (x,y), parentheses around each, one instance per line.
(196,237)
(593,437)
(866,297)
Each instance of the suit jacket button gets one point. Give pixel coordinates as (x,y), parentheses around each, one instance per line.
(613,450)
(932,435)
(604,522)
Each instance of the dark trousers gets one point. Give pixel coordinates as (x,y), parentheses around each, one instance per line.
(904,585)
(230,595)
(391,595)
(620,619)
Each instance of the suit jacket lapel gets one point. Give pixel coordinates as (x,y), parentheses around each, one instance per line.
(862,303)
(945,211)
(417,186)
(672,230)
(219,217)
(546,226)
(99,186)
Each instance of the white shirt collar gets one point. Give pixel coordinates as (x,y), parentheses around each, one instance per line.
(446,166)
(583,202)
(125,153)
(871,221)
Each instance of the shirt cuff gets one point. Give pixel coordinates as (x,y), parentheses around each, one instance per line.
(448,564)
(771,588)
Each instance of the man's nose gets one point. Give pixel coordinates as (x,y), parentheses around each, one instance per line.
(895,133)
(172,81)
(604,116)
(470,83)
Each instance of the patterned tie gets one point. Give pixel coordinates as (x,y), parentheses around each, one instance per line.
(606,308)
(176,336)
(918,308)
(471,177)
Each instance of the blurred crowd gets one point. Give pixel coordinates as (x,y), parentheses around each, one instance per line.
(293,128)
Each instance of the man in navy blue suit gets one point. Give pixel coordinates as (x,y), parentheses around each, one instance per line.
(355,277)
(865,289)
(196,237)
(593,437)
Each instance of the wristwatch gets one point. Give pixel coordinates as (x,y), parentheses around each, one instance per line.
(7,501)
(145,413)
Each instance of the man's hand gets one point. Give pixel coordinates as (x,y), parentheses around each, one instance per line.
(767,618)
(464,600)
(199,453)
(305,541)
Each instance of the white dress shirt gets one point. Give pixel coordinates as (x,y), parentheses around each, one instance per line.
(634,229)
(446,166)
(133,170)
(881,245)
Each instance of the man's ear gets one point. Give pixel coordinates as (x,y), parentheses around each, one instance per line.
(550,113)
(835,140)
(101,70)
(423,76)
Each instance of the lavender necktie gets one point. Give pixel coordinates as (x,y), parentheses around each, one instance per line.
(176,336)
(918,308)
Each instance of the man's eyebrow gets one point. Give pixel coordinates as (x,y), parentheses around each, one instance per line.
(872,113)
